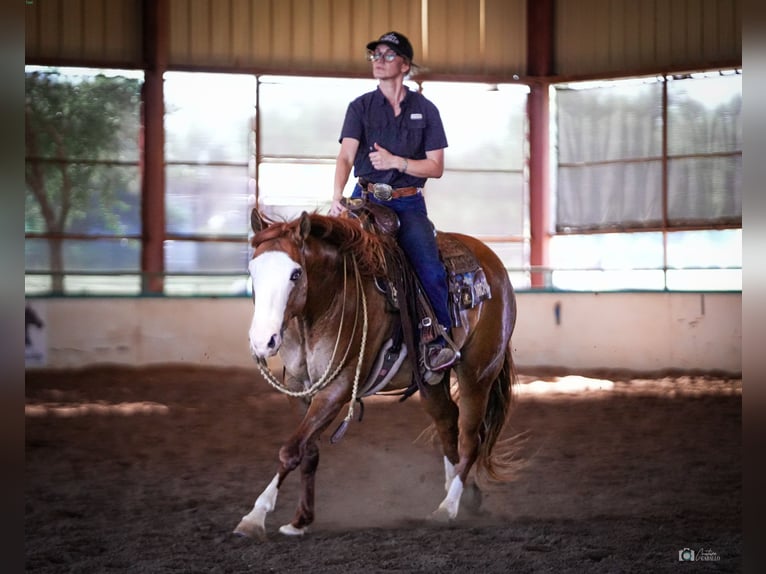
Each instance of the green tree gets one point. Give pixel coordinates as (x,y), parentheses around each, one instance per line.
(74,124)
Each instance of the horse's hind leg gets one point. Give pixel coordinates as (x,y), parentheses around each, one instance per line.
(438,403)
(457,474)
(474,394)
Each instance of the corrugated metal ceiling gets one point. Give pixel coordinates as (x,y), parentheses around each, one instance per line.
(458,38)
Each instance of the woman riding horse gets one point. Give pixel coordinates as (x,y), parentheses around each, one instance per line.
(315,298)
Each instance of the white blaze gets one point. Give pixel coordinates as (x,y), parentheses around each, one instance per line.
(270,273)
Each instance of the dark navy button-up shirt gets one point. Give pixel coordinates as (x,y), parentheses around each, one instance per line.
(417,129)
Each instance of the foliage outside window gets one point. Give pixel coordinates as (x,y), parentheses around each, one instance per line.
(82,208)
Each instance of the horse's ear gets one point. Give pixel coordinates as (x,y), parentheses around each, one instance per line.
(256,221)
(305,225)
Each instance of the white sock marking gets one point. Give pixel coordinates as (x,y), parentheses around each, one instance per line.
(449,473)
(452,502)
(264,504)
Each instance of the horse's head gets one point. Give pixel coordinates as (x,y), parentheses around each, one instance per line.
(278,275)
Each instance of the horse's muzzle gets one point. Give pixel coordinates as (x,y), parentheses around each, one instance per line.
(266,347)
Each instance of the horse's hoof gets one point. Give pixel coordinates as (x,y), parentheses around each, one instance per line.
(471,499)
(290,530)
(440,515)
(247,529)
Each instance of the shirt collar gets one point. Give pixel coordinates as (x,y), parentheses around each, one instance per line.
(381,99)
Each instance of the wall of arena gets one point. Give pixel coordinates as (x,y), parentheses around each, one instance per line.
(641,332)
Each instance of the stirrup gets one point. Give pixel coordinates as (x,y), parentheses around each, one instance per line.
(433,377)
(439,358)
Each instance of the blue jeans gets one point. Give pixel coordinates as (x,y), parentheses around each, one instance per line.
(417,238)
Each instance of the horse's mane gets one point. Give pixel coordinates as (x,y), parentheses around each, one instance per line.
(344,233)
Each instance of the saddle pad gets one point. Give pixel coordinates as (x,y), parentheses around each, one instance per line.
(456,256)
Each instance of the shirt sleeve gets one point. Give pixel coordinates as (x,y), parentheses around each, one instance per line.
(353,127)
(435,136)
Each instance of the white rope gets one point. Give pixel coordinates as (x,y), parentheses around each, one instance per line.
(362,347)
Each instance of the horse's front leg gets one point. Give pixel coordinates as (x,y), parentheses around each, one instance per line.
(291,455)
(322,411)
(304,515)
(300,450)
(253,524)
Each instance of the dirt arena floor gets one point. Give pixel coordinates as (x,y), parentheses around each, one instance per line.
(149,471)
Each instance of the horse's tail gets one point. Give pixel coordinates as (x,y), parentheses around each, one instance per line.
(496,460)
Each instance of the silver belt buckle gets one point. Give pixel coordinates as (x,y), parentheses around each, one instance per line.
(382,191)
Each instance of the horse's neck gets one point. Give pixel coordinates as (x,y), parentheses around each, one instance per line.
(325,296)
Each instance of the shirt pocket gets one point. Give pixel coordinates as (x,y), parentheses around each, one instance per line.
(414,135)
(378,130)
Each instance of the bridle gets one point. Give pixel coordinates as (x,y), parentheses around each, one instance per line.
(328,377)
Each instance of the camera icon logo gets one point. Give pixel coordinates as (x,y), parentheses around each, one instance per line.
(686,555)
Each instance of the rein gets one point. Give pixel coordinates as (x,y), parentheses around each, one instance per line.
(326,378)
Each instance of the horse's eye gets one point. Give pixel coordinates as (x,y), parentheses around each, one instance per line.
(296,274)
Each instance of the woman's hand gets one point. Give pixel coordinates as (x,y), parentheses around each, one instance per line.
(336,208)
(382,159)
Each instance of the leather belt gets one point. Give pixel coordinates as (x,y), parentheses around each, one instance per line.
(384,192)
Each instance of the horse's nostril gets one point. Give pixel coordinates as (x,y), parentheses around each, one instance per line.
(272,342)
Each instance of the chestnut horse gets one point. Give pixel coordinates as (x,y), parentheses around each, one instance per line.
(315,299)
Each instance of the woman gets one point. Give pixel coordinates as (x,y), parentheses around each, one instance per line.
(394,140)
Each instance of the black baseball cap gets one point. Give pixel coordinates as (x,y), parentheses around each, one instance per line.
(397,42)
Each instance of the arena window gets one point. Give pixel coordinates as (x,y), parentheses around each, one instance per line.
(649,170)
(645,171)
(83,181)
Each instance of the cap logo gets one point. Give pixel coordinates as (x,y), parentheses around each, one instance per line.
(390,38)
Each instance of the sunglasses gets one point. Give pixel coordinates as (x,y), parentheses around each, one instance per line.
(389,56)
